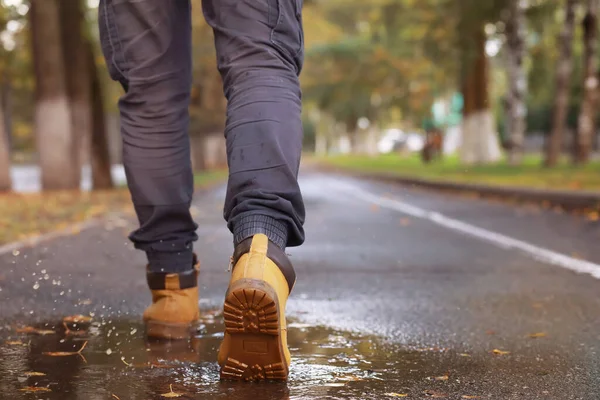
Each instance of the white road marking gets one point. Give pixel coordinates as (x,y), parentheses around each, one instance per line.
(498,239)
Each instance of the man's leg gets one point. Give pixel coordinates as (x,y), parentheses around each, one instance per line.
(259,54)
(147,46)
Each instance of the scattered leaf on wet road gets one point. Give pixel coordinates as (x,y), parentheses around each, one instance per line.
(31,329)
(15,343)
(33,373)
(469,397)
(114,396)
(500,352)
(434,394)
(171,394)
(350,378)
(464,355)
(537,335)
(85,302)
(441,378)
(397,394)
(593,216)
(335,384)
(67,353)
(34,389)
(77,319)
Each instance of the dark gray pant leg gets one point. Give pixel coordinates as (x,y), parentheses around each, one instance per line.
(259,54)
(147,46)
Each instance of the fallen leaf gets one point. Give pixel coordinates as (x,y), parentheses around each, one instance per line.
(349,378)
(397,394)
(171,393)
(335,384)
(500,352)
(593,216)
(31,329)
(15,343)
(33,373)
(490,333)
(67,353)
(464,396)
(34,389)
(435,395)
(537,335)
(115,396)
(77,319)
(464,355)
(72,332)
(405,222)
(441,378)
(85,302)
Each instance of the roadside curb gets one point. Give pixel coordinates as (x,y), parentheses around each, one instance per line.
(568,200)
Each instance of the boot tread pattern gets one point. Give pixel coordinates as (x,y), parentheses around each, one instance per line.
(237,370)
(250,311)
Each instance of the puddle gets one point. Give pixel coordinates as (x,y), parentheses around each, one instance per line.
(118,363)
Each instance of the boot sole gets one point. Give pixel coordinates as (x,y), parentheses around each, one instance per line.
(252,319)
(170,330)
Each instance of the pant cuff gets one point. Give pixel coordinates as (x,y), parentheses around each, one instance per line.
(250,225)
(170,262)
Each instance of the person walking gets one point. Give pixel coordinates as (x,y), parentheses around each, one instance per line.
(259,44)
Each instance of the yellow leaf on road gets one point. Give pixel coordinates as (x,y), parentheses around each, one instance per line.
(33,389)
(171,394)
(31,329)
(537,335)
(397,394)
(500,352)
(441,378)
(33,373)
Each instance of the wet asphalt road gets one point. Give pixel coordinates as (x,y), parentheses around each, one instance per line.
(390,301)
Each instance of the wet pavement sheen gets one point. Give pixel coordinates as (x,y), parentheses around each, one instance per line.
(385,306)
(46,362)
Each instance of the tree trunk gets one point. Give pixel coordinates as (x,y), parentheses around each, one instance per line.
(517,79)
(77,79)
(479,140)
(352,132)
(563,77)
(5,182)
(52,113)
(6,104)
(586,127)
(99,153)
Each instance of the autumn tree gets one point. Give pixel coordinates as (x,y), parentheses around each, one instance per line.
(563,79)
(586,127)
(75,60)
(99,154)
(53,130)
(516,33)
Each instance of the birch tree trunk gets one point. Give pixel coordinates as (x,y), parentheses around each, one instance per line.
(479,140)
(517,79)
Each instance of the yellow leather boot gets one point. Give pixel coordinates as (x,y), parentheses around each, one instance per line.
(255,343)
(174,313)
